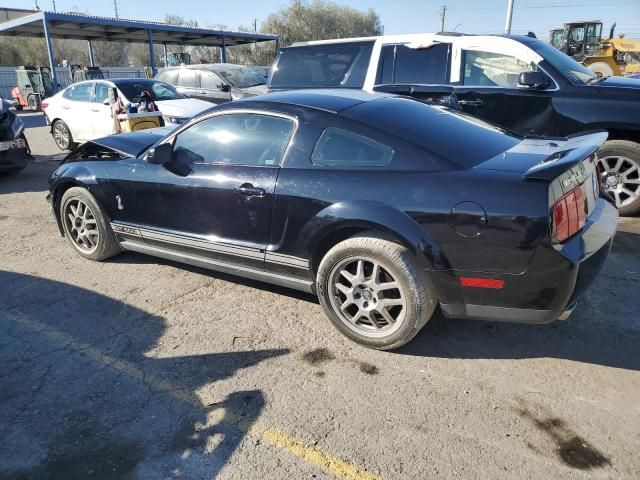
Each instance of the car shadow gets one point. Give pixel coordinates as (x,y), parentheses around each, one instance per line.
(82,396)
(603,329)
(32,179)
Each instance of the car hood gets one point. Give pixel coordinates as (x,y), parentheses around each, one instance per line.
(182,107)
(134,143)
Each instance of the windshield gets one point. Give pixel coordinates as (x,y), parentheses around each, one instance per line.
(568,67)
(159,90)
(319,66)
(241,77)
(34,78)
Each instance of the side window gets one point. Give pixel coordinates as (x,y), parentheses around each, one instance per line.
(341,148)
(101,92)
(422,65)
(235,139)
(188,78)
(487,69)
(209,80)
(80,92)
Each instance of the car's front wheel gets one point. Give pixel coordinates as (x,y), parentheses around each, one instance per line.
(619,163)
(373,291)
(62,135)
(85,225)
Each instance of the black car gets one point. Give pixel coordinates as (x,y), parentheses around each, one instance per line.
(517,82)
(14,149)
(383,206)
(215,82)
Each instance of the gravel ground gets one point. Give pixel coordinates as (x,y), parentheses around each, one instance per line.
(141,368)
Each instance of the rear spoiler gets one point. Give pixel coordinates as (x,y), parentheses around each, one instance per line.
(572,151)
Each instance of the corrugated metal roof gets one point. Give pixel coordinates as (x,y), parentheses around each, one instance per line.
(87,27)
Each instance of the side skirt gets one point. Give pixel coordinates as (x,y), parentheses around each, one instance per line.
(282,280)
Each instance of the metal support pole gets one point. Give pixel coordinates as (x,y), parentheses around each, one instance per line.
(166,55)
(277,46)
(152,60)
(52,60)
(507,23)
(91,62)
(223,51)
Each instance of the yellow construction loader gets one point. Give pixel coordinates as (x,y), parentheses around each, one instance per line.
(584,43)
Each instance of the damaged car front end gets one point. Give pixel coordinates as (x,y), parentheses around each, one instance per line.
(14,149)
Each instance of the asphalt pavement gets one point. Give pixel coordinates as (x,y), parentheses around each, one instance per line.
(139,368)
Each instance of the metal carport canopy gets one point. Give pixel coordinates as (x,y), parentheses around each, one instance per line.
(84,27)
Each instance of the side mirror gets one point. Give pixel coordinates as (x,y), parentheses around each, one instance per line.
(223,87)
(161,155)
(533,81)
(106,102)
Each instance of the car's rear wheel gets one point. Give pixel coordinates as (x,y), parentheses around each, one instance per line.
(85,225)
(373,292)
(62,135)
(619,163)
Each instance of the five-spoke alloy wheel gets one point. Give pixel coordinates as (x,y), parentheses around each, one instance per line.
(373,290)
(82,224)
(619,164)
(85,225)
(366,297)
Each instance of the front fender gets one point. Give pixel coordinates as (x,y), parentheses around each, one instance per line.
(67,176)
(372,215)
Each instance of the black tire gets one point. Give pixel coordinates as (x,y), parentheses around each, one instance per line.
(396,263)
(62,136)
(106,244)
(630,152)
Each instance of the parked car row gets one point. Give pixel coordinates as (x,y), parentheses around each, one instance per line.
(389,176)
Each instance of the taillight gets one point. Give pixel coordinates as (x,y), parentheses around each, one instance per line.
(569,214)
(44,104)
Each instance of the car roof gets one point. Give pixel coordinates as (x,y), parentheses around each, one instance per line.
(208,66)
(446,37)
(330,100)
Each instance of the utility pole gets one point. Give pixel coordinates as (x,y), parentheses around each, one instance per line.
(507,23)
(54,6)
(443,14)
(115,8)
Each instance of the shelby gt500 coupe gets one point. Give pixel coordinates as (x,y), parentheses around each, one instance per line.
(383,206)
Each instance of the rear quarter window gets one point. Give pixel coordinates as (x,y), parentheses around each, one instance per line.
(341,148)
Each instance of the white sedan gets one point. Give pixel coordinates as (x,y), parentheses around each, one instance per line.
(81,112)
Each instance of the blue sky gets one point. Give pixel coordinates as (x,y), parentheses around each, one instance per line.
(398,16)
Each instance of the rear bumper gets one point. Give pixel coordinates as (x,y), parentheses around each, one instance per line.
(554,281)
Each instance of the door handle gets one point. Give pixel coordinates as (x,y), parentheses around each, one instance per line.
(471,103)
(65,107)
(249,190)
(95,109)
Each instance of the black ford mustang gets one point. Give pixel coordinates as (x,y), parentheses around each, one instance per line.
(383,206)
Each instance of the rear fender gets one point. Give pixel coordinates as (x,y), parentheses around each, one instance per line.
(371,215)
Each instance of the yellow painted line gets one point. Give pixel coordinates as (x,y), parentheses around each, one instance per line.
(315,456)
